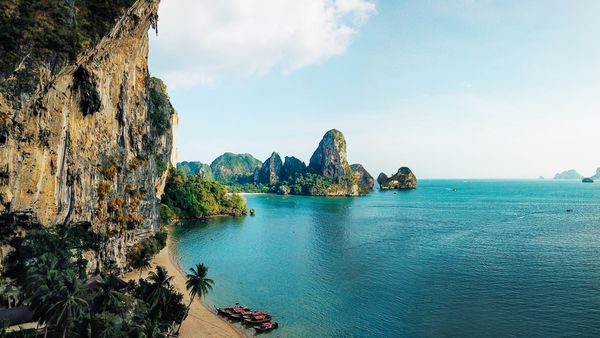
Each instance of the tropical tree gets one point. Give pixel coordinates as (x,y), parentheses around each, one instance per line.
(106,299)
(42,284)
(140,261)
(159,288)
(197,284)
(69,305)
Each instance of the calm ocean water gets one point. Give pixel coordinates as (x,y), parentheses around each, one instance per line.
(494,258)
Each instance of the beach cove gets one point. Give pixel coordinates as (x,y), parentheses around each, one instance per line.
(201,321)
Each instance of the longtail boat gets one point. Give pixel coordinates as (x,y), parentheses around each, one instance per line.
(265,327)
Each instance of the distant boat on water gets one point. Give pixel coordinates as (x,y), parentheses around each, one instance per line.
(587,180)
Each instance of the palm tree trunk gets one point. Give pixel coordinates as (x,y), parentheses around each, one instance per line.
(187,311)
(140,274)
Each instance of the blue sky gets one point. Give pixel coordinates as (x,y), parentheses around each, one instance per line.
(469,89)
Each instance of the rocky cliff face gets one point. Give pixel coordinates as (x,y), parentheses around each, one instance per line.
(330,161)
(270,171)
(87,140)
(403,179)
(292,167)
(364,179)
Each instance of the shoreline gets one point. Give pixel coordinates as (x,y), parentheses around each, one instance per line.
(201,321)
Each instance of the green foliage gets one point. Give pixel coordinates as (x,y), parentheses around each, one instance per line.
(161,165)
(248,187)
(140,256)
(159,106)
(61,243)
(196,168)
(164,302)
(198,284)
(56,28)
(310,184)
(46,263)
(234,168)
(193,197)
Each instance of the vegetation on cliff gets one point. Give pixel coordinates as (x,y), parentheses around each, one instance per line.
(403,179)
(52,29)
(194,197)
(234,168)
(160,108)
(196,168)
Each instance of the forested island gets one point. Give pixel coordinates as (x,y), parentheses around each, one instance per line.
(327,174)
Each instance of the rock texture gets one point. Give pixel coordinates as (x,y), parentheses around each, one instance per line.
(270,171)
(229,166)
(292,168)
(364,179)
(571,174)
(329,159)
(403,179)
(88,140)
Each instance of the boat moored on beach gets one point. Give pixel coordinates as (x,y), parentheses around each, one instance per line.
(265,327)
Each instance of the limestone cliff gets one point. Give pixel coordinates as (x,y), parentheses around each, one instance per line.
(329,160)
(87,139)
(364,179)
(292,168)
(403,179)
(270,171)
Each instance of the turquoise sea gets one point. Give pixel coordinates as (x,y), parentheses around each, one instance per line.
(493,258)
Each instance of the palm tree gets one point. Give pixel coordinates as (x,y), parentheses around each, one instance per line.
(69,306)
(106,298)
(198,285)
(141,261)
(42,282)
(159,288)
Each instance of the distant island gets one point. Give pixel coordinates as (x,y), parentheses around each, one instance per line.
(596,176)
(403,179)
(571,174)
(327,174)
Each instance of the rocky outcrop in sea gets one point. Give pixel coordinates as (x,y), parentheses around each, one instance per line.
(403,179)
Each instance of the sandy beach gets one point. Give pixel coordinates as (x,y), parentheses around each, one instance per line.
(201,322)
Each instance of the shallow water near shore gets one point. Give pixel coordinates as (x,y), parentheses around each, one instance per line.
(493,258)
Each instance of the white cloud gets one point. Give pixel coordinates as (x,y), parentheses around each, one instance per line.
(204,41)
